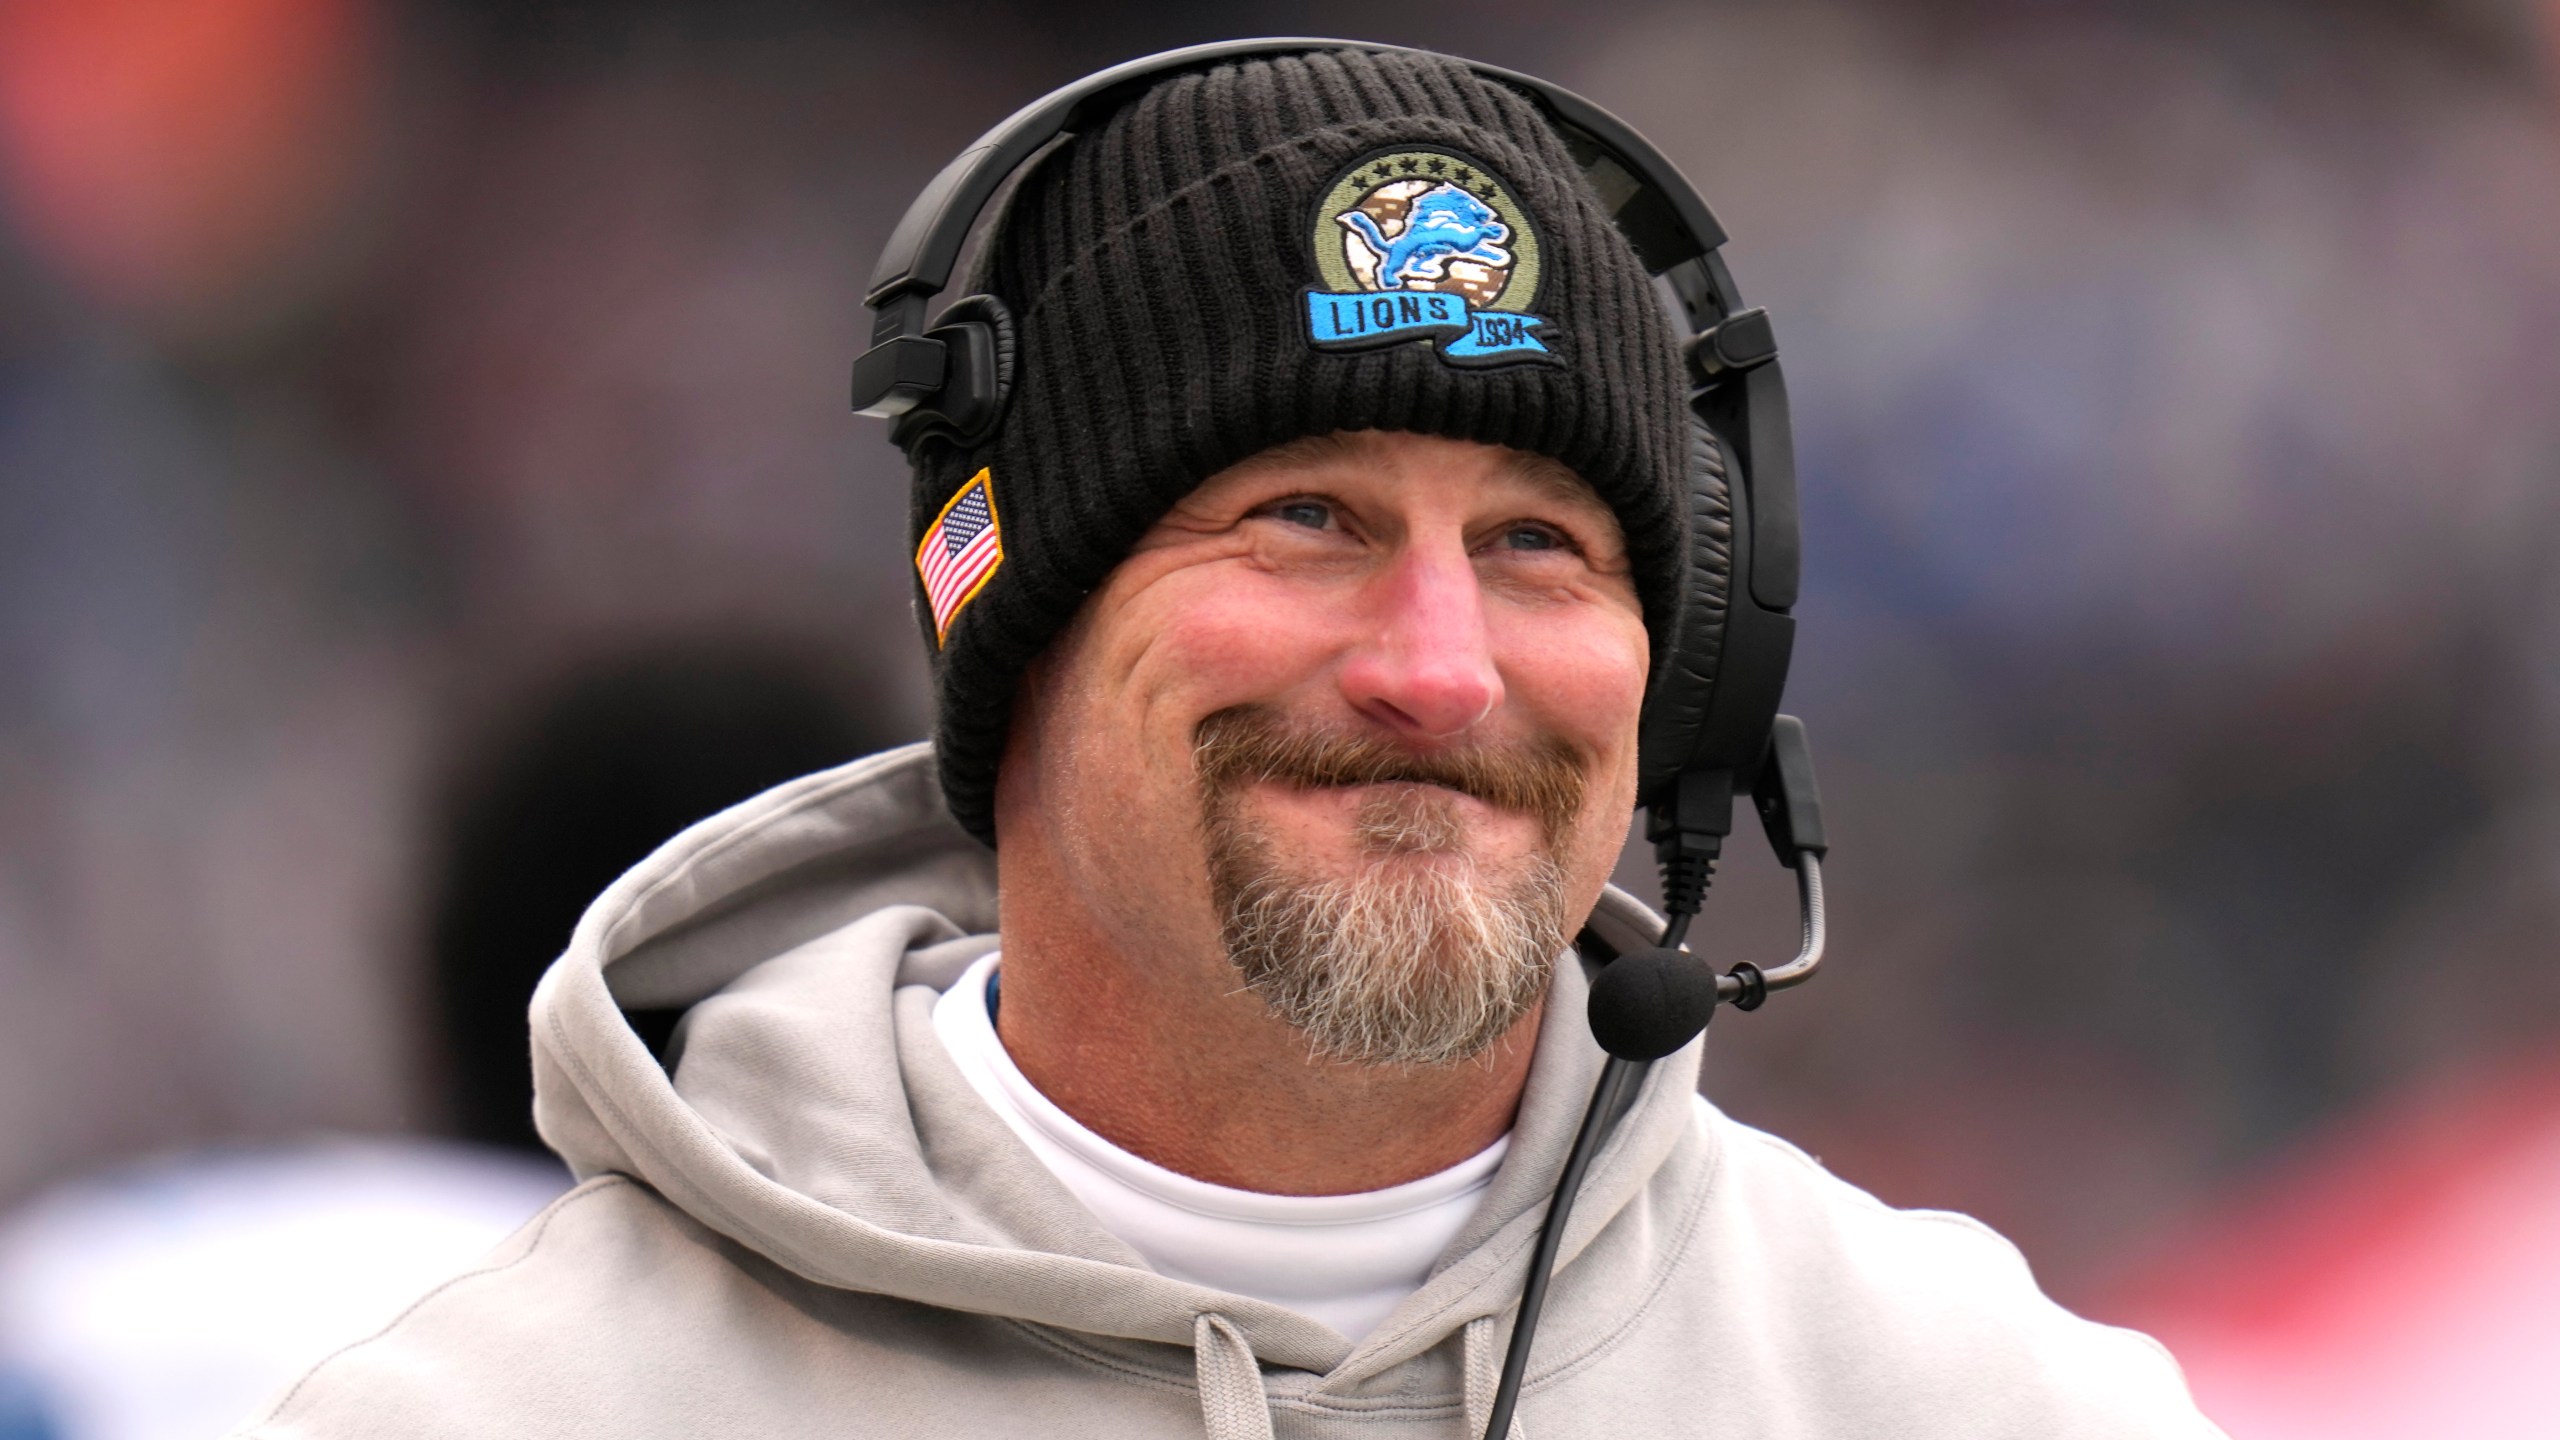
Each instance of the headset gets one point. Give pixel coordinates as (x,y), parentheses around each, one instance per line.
(1710,728)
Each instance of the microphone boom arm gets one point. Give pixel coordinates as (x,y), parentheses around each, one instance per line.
(1746,985)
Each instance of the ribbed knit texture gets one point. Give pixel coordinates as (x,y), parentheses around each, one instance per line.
(1155,267)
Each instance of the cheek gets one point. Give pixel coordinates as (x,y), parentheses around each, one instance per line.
(1582,676)
(1197,645)
(1585,681)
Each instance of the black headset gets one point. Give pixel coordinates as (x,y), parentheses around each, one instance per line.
(1710,727)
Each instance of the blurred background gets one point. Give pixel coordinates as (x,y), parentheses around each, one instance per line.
(426,482)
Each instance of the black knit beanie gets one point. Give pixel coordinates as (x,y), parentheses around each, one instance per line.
(1241,256)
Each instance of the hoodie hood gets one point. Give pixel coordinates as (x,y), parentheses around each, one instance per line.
(809,1113)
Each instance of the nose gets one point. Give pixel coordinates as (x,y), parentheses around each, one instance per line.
(1427,670)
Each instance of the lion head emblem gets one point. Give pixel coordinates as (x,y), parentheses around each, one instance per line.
(1443,227)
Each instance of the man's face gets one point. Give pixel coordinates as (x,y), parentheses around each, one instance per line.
(1357,717)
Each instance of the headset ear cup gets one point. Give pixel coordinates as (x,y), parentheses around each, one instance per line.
(978,338)
(991,312)
(1675,710)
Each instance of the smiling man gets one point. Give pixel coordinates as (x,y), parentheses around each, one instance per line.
(1189,1040)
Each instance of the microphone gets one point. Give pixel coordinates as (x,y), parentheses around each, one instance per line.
(1650,1002)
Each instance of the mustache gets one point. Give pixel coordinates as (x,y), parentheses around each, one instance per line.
(1250,744)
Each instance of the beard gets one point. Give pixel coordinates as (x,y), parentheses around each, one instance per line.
(1423,955)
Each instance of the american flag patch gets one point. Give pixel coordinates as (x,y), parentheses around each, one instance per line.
(960,552)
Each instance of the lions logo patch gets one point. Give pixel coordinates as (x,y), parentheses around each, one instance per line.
(1420,244)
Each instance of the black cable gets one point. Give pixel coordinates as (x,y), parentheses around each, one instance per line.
(1615,1078)
(1678,928)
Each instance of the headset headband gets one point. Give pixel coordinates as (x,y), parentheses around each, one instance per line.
(921,251)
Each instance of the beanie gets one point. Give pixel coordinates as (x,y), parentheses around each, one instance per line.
(1265,250)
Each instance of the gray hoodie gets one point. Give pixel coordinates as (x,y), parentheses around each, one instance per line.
(813,1226)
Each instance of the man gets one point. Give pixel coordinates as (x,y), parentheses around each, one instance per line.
(1294,679)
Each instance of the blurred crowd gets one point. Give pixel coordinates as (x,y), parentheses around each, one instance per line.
(426,482)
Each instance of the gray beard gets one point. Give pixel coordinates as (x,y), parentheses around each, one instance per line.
(1418,959)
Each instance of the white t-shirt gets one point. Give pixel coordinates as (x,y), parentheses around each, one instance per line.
(1347,1260)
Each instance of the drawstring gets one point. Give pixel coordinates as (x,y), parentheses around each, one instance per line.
(1481,1364)
(1232,1403)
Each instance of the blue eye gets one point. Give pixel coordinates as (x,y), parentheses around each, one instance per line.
(1313,514)
(1533,537)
